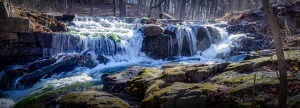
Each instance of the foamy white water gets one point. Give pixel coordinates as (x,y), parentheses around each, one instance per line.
(121,43)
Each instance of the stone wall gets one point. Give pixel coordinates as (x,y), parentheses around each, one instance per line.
(17,44)
(16,48)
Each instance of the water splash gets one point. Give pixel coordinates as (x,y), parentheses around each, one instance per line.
(222,48)
(184,32)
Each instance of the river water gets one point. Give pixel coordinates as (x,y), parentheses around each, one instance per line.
(121,43)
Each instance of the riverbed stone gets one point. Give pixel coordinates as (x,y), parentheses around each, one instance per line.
(157,47)
(68,63)
(118,82)
(203,41)
(8,77)
(179,95)
(153,30)
(91,99)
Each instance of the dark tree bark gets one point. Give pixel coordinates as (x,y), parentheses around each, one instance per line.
(71,6)
(158,5)
(192,10)
(122,8)
(114,7)
(139,7)
(92,2)
(149,13)
(183,9)
(276,32)
(166,6)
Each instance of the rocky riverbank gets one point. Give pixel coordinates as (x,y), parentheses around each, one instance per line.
(243,84)
(251,82)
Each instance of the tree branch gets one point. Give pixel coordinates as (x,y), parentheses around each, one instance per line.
(158,4)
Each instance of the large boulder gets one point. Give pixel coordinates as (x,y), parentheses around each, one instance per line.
(118,82)
(179,95)
(66,63)
(153,30)
(192,73)
(9,75)
(133,81)
(203,41)
(91,99)
(40,64)
(166,46)
(157,47)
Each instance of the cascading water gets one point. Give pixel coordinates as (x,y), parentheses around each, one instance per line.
(121,43)
(208,34)
(189,35)
(222,48)
(114,39)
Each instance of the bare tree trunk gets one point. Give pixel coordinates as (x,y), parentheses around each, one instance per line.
(192,9)
(71,6)
(183,9)
(139,7)
(149,13)
(166,6)
(122,8)
(276,32)
(66,7)
(114,7)
(92,2)
(155,6)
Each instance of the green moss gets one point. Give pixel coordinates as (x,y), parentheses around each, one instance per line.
(249,65)
(242,79)
(49,92)
(247,86)
(98,35)
(293,55)
(147,71)
(142,81)
(97,99)
(159,96)
(208,86)
(146,18)
(114,37)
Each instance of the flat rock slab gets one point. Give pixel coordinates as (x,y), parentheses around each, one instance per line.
(14,25)
(91,99)
(153,30)
(4,9)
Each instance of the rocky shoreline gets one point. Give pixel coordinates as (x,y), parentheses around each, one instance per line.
(241,84)
(252,82)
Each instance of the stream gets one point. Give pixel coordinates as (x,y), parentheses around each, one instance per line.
(119,45)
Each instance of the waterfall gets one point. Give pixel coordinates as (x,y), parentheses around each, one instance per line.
(222,48)
(65,43)
(112,38)
(208,34)
(188,34)
(121,43)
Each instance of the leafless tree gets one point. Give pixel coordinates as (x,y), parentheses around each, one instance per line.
(277,34)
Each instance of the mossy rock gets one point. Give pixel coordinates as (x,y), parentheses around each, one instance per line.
(179,95)
(249,65)
(142,81)
(175,74)
(91,99)
(47,96)
(192,73)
